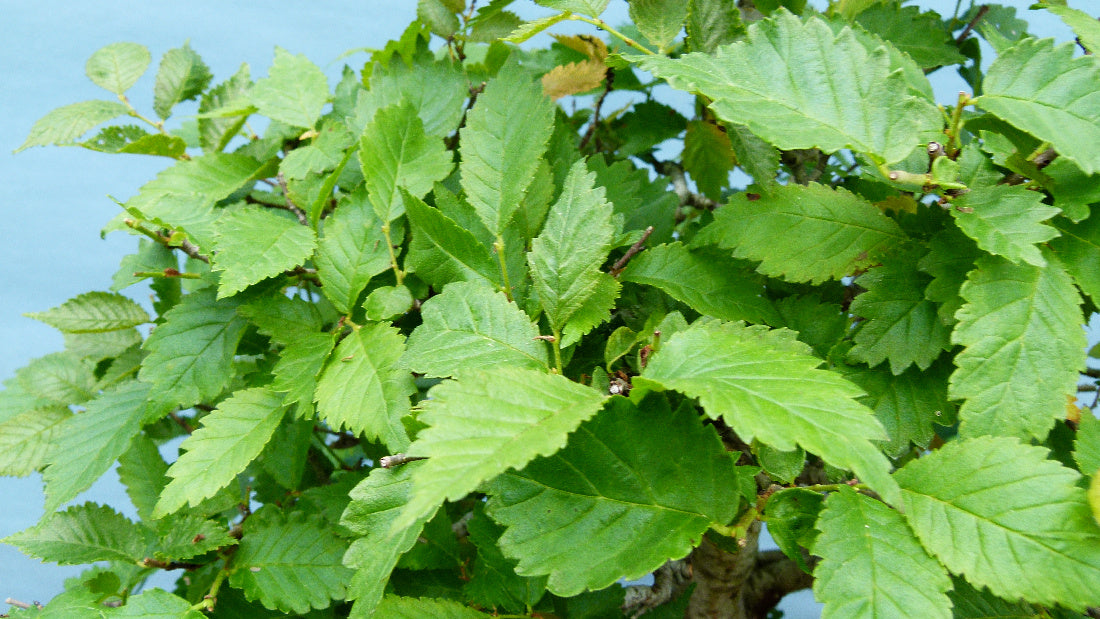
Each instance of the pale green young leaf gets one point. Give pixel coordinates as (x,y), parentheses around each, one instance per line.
(565,258)
(66,124)
(394,153)
(94,312)
(352,250)
(804,232)
(898,323)
(96,347)
(82,534)
(184,535)
(142,470)
(711,24)
(364,390)
(57,379)
(396,607)
(294,91)
(215,133)
(591,8)
(300,364)
(487,422)
(661,490)
(439,18)
(471,326)
(1045,91)
(182,76)
(1086,449)
(1085,26)
(659,20)
(117,66)
(1024,345)
(707,280)
(872,565)
(375,502)
(765,385)
(1006,221)
(291,565)
(183,196)
(708,157)
(191,353)
(88,443)
(991,509)
(774,84)
(253,244)
(442,251)
(155,604)
(27,438)
(506,133)
(1078,247)
(230,437)
(387,303)
(920,35)
(907,404)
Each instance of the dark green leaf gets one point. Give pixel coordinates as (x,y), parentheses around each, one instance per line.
(1078,248)
(708,157)
(907,404)
(921,35)
(442,251)
(791,516)
(712,24)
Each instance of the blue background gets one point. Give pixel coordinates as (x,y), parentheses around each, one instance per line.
(54,200)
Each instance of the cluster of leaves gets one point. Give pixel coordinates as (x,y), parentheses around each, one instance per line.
(580,356)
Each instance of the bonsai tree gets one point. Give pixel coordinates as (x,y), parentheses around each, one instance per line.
(442,347)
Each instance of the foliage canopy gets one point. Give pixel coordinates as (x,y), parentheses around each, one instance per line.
(441,347)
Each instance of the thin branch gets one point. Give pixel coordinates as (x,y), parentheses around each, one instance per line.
(290,205)
(388,462)
(609,79)
(982,10)
(775,576)
(669,581)
(23,605)
(182,422)
(637,247)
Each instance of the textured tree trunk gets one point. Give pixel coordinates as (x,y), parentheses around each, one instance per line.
(721,577)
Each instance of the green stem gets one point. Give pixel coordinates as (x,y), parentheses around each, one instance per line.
(951,148)
(163,274)
(602,25)
(498,247)
(556,343)
(208,601)
(397,272)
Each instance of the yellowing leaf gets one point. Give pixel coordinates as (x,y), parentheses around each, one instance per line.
(573,78)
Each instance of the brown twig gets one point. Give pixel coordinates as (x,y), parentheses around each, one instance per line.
(637,247)
(609,79)
(982,10)
(388,462)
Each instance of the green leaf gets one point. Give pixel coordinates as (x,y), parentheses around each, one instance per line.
(300,364)
(186,535)
(1045,91)
(872,565)
(284,318)
(774,84)
(294,91)
(88,443)
(765,385)
(591,8)
(132,139)
(183,196)
(1006,221)
(59,379)
(352,251)
(27,438)
(65,124)
(230,437)
(142,470)
(641,202)
(182,76)
(487,422)
(1086,449)
(493,580)
(82,534)
(565,258)
(1024,345)
(442,251)
(707,280)
(291,565)
(117,66)
(191,353)
(470,326)
(506,133)
(818,324)
(364,390)
(619,501)
(416,608)
(803,232)
(149,257)
(439,18)
(950,257)
(659,20)
(991,509)
(907,404)
(437,88)
(899,323)
(756,157)
(155,604)
(94,312)
(920,35)
(1078,247)
(215,133)
(253,244)
(791,515)
(711,24)
(1084,25)
(708,157)
(387,303)
(972,603)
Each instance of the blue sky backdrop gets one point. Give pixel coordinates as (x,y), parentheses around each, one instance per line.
(54,200)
